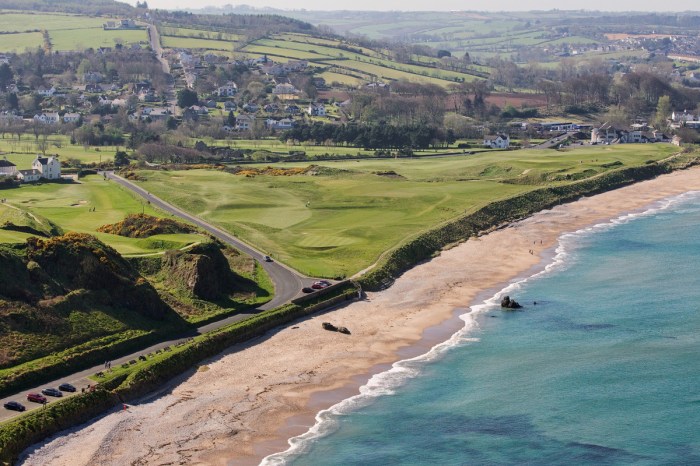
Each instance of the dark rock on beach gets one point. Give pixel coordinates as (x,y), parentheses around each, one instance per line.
(332,328)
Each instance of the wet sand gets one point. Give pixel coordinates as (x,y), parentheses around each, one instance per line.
(245,404)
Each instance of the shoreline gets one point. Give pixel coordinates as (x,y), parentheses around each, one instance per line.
(246,404)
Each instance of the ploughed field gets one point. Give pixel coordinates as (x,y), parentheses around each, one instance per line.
(337,218)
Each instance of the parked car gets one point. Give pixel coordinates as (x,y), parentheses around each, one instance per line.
(14,406)
(268,259)
(52,392)
(66,387)
(306,289)
(321,284)
(37,398)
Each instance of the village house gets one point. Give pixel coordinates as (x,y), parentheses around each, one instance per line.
(29,176)
(7,168)
(497,141)
(48,168)
(230,106)
(42,91)
(316,110)
(47,118)
(292,109)
(284,123)
(250,108)
(227,90)
(71,118)
(285,91)
(604,135)
(245,122)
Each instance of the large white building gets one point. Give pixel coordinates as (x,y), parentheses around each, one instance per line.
(497,141)
(48,167)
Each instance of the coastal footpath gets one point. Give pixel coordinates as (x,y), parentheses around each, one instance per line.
(373,340)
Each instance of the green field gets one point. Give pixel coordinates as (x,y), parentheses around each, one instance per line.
(69,205)
(19,22)
(78,39)
(66,32)
(341,220)
(196,43)
(198,33)
(21,41)
(23,151)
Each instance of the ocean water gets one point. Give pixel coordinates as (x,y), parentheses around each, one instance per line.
(604,370)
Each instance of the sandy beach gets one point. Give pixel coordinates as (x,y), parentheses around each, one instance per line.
(244,404)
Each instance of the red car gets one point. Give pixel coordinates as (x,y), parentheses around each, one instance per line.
(36,398)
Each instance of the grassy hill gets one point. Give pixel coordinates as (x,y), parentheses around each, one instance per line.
(69,301)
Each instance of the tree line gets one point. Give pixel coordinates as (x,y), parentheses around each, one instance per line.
(372,136)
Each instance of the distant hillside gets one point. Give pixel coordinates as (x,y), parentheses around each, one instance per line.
(85,7)
(251,24)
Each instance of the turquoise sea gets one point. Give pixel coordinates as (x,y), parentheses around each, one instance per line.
(604,370)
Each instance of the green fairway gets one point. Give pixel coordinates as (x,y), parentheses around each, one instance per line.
(70,205)
(340,221)
(23,151)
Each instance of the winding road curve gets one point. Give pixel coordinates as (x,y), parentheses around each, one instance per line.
(288,284)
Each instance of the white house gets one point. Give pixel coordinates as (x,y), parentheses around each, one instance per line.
(497,141)
(47,118)
(49,167)
(284,123)
(285,89)
(71,118)
(29,176)
(316,110)
(228,90)
(678,117)
(42,91)
(7,168)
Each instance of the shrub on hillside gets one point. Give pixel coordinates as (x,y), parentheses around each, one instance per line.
(143,226)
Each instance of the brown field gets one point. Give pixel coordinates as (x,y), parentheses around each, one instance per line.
(623,36)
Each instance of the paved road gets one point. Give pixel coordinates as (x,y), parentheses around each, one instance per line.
(288,284)
(554,142)
(81,380)
(154,38)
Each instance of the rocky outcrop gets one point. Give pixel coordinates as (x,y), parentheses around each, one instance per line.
(203,270)
(79,262)
(507,303)
(332,328)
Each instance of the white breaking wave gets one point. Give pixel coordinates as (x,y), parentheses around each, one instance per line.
(386,383)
